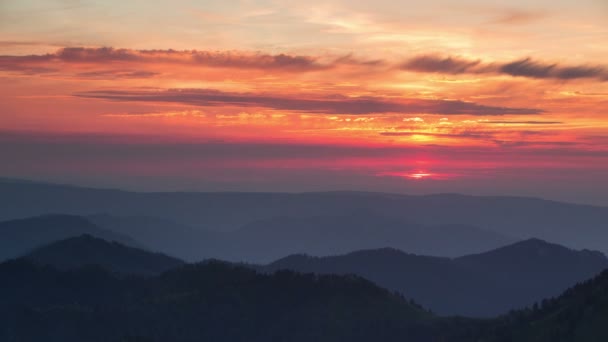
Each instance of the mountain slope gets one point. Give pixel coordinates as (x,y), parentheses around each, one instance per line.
(481,285)
(579,314)
(536,264)
(76,252)
(18,237)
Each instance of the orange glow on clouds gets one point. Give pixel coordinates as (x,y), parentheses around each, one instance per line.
(368,96)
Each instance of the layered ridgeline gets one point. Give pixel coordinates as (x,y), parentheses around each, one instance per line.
(267,240)
(575,226)
(159,234)
(84,250)
(259,242)
(480,285)
(21,236)
(216,301)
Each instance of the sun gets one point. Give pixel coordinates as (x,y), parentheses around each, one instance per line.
(419,175)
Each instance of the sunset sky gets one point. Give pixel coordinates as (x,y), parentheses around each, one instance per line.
(475,97)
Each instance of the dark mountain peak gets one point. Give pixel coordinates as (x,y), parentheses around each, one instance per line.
(299,256)
(293,259)
(544,248)
(21,236)
(535,245)
(532,248)
(83,250)
(536,242)
(88,238)
(384,251)
(82,241)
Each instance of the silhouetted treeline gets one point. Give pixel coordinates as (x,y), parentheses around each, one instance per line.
(213,301)
(216,301)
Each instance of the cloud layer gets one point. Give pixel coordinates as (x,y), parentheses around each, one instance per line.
(104,56)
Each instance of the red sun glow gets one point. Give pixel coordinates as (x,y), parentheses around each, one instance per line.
(418,175)
(411,175)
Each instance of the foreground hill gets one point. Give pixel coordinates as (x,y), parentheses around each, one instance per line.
(575,226)
(480,285)
(216,301)
(77,252)
(18,237)
(205,302)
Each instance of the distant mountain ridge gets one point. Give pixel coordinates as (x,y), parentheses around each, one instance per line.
(266,240)
(481,285)
(85,250)
(260,241)
(575,226)
(21,236)
(159,234)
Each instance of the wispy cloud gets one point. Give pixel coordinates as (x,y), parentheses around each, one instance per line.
(519,17)
(117,74)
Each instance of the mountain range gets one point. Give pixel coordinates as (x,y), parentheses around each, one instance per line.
(480,285)
(263,241)
(215,301)
(572,225)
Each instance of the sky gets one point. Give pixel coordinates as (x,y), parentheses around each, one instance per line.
(474,97)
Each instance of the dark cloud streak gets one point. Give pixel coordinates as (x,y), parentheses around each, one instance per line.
(532,122)
(221,59)
(525,67)
(337,104)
